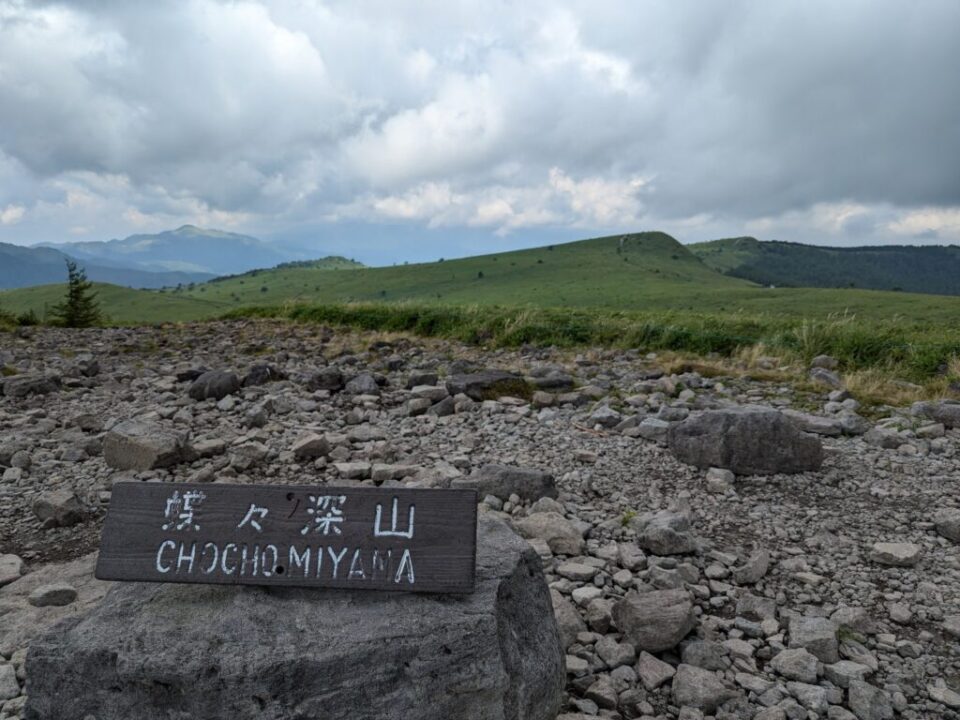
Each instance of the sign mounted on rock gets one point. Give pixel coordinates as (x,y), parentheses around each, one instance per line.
(314,536)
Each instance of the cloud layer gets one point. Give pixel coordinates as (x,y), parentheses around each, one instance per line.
(815,121)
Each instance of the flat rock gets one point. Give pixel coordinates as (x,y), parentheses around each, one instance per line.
(502,481)
(217,652)
(652,671)
(948,523)
(21,386)
(142,445)
(484,384)
(896,554)
(747,440)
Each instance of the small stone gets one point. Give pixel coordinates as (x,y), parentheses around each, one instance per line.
(796,664)
(652,671)
(655,621)
(576,571)
(558,532)
(817,635)
(311,446)
(868,702)
(59,508)
(9,687)
(11,568)
(699,688)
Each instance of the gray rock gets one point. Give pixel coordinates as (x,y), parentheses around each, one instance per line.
(699,688)
(362,384)
(506,480)
(824,361)
(21,386)
(748,440)
(9,687)
(11,568)
(812,697)
(560,534)
(652,671)
(262,374)
(604,416)
(841,673)
(896,554)
(655,621)
(247,652)
(705,654)
(944,411)
(822,376)
(817,635)
(868,702)
(796,664)
(485,384)
(214,384)
(653,429)
(668,533)
(54,594)
(328,378)
(754,569)
(310,446)
(569,622)
(141,445)
(948,523)
(59,508)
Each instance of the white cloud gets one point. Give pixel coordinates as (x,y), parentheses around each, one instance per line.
(12,214)
(277,115)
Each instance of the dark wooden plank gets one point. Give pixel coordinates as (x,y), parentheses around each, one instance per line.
(303,535)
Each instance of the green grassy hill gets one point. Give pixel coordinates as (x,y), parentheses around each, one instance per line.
(120,305)
(626,272)
(920,269)
(644,272)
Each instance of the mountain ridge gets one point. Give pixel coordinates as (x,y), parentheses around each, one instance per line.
(928,269)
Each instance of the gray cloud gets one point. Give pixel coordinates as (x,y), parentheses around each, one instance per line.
(815,121)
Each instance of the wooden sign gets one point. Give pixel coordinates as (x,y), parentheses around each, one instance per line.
(314,536)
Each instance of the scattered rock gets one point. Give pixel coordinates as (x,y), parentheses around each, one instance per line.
(699,688)
(214,384)
(502,481)
(55,594)
(747,441)
(655,621)
(59,508)
(11,568)
(141,445)
(21,386)
(559,533)
(896,554)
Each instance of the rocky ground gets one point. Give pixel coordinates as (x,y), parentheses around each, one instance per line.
(724,588)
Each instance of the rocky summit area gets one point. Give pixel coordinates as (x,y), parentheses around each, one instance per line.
(714,547)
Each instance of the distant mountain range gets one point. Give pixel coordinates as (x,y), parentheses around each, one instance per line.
(26,266)
(176,257)
(933,269)
(186,249)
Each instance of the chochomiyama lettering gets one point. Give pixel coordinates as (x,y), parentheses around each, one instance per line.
(184,558)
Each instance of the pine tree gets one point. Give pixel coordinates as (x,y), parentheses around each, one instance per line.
(80,308)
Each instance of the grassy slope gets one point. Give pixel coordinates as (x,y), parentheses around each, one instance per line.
(926,269)
(651,272)
(120,305)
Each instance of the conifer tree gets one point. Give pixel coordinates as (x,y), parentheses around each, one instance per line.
(80,308)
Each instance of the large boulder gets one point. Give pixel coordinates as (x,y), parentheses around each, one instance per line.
(214,384)
(154,652)
(21,386)
(943,411)
(655,621)
(141,445)
(505,480)
(486,384)
(749,440)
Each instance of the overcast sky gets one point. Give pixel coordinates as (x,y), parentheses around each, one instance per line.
(395,130)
